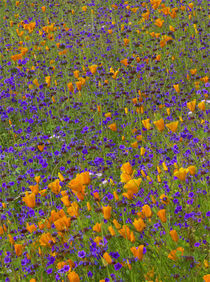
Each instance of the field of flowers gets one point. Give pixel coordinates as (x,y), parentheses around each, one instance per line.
(104,140)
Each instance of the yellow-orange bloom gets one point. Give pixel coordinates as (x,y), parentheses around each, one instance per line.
(174,235)
(146,123)
(107,258)
(191,105)
(93,69)
(31,228)
(139,224)
(133,185)
(162,215)
(127,168)
(159,124)
(34,189)
(107,212)
(73,277)
(97,227)
(159,22)
(138,252)
(111,230)
(206,278)
(18,249)
(70,87)
(46,239)
(172,126)
(176,87)
(55,186)
(172,254)
(192,169)
(113,127)
(30,200)
(202,106)
(116,224)
(181,174)
(146,210)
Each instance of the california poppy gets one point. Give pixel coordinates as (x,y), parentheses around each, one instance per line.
(55,186)
(146,123)
(107,212)
(93,69)
(73,276)
(138,252)
(127,168)
(172,126)
(31,228)
(113,127)
(191,105)
(162,215)
(30,200)
(192,169)
(159,124)
(133,185)
(176,87)
(18,249)
(111,230)
(107,258)
(174,235)
(97,227)
(181,174)
(139,224)
(146,210)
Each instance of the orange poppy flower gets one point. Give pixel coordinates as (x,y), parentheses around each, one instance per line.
(139,224)
(176,87)
(127,168)
(70,87)
(76,74)
(93,69)
(181,174)
(18,249)
(159,124)
(113,127)
(63,223)
(65,200)
(116,224)
(162,215)
(202,106)
(146,210)
(97,227)
(146,123)
(172,126)
(55,186)
(111,230)
(192,169)
(107,258)
(46,239)
(34,189)
(124,62)
(73,276)
(133,185)
(159,22)
(107,212)
(73,210)
(31,228)
(191,105)
(30,200)
(172,254)
(138,252)
(206,278)
(41,147)
(174,235)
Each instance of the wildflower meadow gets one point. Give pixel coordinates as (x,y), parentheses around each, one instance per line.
(104,140)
